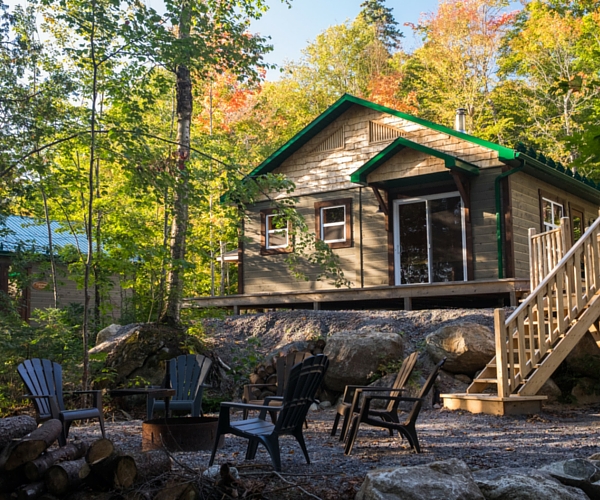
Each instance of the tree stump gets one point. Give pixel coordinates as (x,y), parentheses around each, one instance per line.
(15,427)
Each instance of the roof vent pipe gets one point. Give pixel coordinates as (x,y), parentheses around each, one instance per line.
(460,122)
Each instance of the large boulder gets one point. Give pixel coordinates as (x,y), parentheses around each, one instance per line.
(584,359)
(447,480)
(107,333)
(578,472)
(355,355)
(586,391)
(523,484)
(141,356)
(109,338)
(467,347)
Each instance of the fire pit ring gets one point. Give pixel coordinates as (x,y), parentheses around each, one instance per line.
(180,434)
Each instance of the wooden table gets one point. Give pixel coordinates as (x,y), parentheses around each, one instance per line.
(157,392)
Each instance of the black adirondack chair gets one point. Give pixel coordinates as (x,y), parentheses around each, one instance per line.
(186,374)
(352,394)
(43,379)
(284,366)
(407,428)
(304,380)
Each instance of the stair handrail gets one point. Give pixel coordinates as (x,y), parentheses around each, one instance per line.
(537,311)
(573,250)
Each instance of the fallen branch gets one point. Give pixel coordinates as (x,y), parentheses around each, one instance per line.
(296,485)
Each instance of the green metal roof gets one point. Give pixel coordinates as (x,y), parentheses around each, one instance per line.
(451,162)
(340,107)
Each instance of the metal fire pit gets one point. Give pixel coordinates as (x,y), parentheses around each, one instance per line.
(180,434)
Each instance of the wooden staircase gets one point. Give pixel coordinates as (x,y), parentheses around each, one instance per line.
(533,341)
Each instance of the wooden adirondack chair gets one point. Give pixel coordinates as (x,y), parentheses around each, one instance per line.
(352,394)
(304,380)
(406,428)
(284,366)
(186,374)
(43,379)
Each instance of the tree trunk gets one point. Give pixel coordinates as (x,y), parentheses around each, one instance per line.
(172,309)
(35,469)
(116,471)
(50,248)
(60,478)
(31,446)
(15,427)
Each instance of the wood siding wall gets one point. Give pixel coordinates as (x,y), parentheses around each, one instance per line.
(69,293)
(269,273)
(483,223)
(315,171)
(526,213)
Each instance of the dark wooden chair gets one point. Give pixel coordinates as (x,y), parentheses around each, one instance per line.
(284,366)
(186,374)
(407,428)
(304,380)
(43,379)
(352,395)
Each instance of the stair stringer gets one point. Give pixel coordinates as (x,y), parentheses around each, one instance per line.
(561,350)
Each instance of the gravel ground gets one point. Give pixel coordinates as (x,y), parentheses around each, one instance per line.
(482,441)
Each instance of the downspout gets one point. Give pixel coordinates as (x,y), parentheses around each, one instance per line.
(499,216)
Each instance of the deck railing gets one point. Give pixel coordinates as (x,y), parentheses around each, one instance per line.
(547,249)
(534,328)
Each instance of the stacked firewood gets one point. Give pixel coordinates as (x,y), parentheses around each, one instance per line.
(31,468)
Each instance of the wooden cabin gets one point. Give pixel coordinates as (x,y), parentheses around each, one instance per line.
(420,214)
(24,249)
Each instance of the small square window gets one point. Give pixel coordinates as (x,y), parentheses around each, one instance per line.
(275,233)
(333,225)
(333,222)
(552,212)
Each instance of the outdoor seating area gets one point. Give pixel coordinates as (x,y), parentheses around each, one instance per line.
(299,377)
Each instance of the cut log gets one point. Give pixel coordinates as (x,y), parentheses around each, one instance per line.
(35,469)
(116,471)
(255,379)
(31,491)
(28,448)
(151,464)
(62,477)
(270,369)
(15,427)
(186,491)
(99,450)
(94,495)
(9,482)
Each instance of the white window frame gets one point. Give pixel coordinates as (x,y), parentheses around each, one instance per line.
(397,247)
(333,224)
(268,232)
(549,226)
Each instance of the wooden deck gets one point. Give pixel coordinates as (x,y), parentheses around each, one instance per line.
(399,297)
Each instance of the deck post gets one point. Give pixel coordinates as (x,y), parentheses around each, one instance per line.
(236,310)
(566,235)
(408,304)
(501,359)
(316,306)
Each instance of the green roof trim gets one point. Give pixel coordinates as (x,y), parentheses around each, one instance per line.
(451,162)
(340,107)
(558,178)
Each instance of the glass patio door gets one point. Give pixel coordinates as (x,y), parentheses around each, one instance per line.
(429,239)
